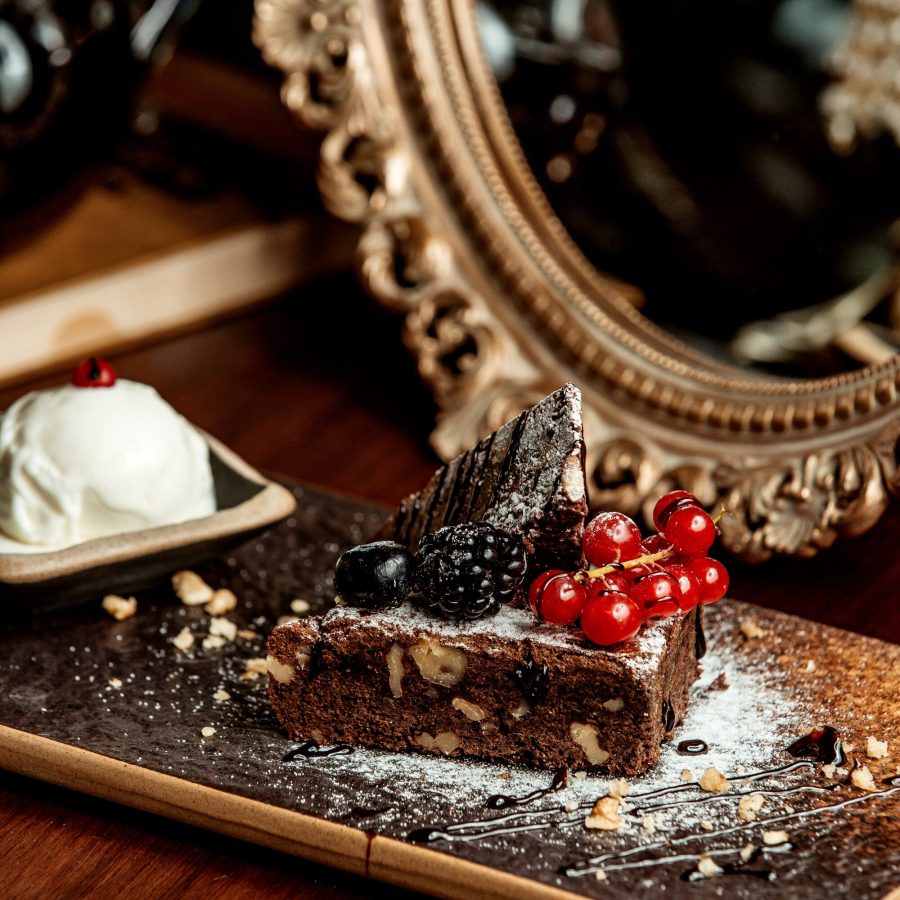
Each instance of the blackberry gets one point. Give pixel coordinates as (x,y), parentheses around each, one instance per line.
(374,576)
(469,571)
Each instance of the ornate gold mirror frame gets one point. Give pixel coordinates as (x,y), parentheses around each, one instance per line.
(500,306)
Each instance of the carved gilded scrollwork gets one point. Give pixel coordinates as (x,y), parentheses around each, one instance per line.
(500,306)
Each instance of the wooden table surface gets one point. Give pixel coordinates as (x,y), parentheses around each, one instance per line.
(317,386)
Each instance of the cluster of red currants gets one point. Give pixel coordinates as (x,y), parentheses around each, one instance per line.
(635,579)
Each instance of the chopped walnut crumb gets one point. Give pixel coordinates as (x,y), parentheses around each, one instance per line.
(714,781)
(771,838)
(848,747)
(221,696)
(115,682)
(687,775)
(751,629)
(214,642)
(600,875)
(445,741)
(253,668)
(810,666)
(191,589)
(706,867)
(221,602)
(570,806)
(829,770)
(648,823)
(579,774)
(118,607)
(247,634)
(300,607)
(749,807)
(505,775)
(605,815)
(862,778)
(747,851)
(706,825)
(184,640)
(614,705)
(619,788)
(876,749)
(444,666)
(224,628)
(207,731)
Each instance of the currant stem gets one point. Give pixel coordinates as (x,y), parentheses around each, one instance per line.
(722,512)
(584,574)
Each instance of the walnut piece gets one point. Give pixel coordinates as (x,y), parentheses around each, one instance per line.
(747,852)
(619,788)
(707,868)
(444,666)
(283,673)
(862,778)
(223,628)
(773,838)
(445,741)
(752,630)
(470,710)
(303,655)
(605,815)
(221,696)
(614,705)
(586,738)
(687,775)
(749,807)
(521,710)
(118,607)
(207,731)
(876,749)
(214,642)
(300,607)
(221,602)
(184,640)
(394,658)
(714,781)
(191,589)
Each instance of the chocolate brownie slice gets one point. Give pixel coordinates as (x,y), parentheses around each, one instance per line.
(402,680)
(527,478)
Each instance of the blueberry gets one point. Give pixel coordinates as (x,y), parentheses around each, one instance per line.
(374,575)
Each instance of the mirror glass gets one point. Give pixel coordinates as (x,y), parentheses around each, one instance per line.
(735,164)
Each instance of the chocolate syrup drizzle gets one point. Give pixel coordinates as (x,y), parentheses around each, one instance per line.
(693,747)
(504,801)
(312,750)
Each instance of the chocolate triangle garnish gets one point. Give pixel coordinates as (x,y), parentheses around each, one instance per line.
(527,477)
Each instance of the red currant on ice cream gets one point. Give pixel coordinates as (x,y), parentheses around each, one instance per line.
(657,595)
(556,597)
(611,537)
(94,372)
(668,503)
(712,576)
(691,530)
(610,617)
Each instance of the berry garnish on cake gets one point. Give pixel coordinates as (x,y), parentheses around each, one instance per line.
(441,645)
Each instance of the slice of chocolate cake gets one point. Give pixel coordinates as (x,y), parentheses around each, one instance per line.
(502,687)
(527,478)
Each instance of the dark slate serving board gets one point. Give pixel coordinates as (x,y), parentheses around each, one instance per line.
(140,743)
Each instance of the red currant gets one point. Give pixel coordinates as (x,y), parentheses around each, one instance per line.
(610,617)
(556,597)
(94,372)
(712,576)
(614,581)
(687,584)
(656,543)
(611,537)
(657,595)
(667,504)
(691,530)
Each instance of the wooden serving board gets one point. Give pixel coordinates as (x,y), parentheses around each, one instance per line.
(113,709)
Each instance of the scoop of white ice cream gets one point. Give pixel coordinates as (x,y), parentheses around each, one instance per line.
(81,463)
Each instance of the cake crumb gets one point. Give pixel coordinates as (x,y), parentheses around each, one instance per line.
(579,774)
(862,778)
(706,825)
(184,640)
(829,770)
(115,683)
(300,607)
(752,630)
(505,775)
(605,815)
(772,838)
(191,589)
(747,852)
(749,807)
(706,867)
(687,775)
(118,607)
(221,696)
(876,749)
(619,788)
(648,823)
(714,781)
(222,627)
(614,705)
(214,642)
(221,602)
(207,731)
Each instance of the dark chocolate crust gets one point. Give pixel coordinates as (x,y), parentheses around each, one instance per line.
(330,682)
(527,477)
